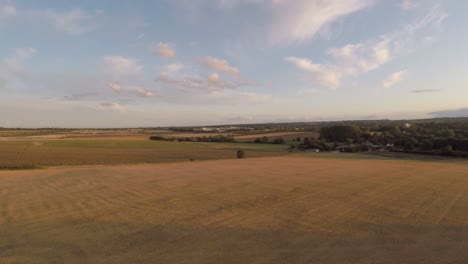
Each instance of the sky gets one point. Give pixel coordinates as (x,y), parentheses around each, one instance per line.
(116,63)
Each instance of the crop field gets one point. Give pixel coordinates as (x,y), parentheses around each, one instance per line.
(112,152)
(261,210)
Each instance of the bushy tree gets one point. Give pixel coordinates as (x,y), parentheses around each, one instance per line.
(340,133)
(279,141)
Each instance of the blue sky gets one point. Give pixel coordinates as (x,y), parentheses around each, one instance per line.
(195,62)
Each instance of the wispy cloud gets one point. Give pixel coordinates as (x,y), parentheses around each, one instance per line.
(408,4)
(121,66)
(115,86)
(7,9)
(291,21)
(195,82)
(165,50)
(112,106)
(394,79)
(75,21)
(219,65)
(297,21)
(426,91)
(352,60)
(174,67)
(143,92)
(322,74)
(72,22)
(13,65)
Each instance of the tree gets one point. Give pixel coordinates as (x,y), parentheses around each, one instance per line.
(258,141)
(394,131)
(279,141)
(426,144)
(340,133)
(240,154)
(447,150)
(264,139)
(407,143)
(448,133)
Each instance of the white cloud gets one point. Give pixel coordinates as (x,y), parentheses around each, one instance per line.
(75,21)
(394,79)
(112,106)
(143,92)
(218,65)
(165,50)
(408,4)
(322,75)
(121,66)
(173,68)
(13,65)
(288,21)
(115,86)
(296,21)
(71,22)
(255,97)
(7,10)
(195,82)
(213,78)
(352,60)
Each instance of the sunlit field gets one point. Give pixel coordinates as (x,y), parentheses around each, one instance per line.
(261,210)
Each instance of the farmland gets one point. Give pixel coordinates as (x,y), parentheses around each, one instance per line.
(262,210)
(111,151)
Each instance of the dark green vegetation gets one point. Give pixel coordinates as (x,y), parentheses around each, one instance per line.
(447,137)
(27,154)
(216,139)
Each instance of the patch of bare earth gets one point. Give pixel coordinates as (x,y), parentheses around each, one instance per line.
(266,210)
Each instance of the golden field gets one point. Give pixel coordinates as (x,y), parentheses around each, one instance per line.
(260,210)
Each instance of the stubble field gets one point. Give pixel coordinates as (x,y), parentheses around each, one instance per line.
(263,210)
(110,151)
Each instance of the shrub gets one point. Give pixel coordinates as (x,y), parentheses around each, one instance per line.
(240,154)
(279,141)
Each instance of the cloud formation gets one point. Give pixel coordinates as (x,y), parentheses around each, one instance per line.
(165,50)
(143,92)
(13,67)
(173,68)
(394,79)
(112,106)
(122,66)
(7,9)
(115,86)
(408,4)
(426,91)
(291,21)
(352,60)
(322,74)
(71,22)
(296,21)
(75,21)
(219,65)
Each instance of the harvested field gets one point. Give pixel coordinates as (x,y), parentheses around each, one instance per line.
(114,152)
(266,210)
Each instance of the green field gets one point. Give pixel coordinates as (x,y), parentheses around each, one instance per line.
(43,153)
